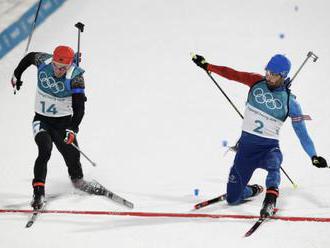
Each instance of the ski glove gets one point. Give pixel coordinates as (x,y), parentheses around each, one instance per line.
(319,162)
(200,61)
(69,136)
(16,82)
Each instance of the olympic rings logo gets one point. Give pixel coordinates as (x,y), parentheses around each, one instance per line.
(267,98)
(50,83)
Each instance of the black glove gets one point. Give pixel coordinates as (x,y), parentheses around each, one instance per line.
(319,162)
(16,82)
(19,84)
(200,61)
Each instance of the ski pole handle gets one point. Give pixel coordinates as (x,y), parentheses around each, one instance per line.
(80,27)
(14,87)
(310,54)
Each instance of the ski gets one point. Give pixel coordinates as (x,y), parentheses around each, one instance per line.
(50,198)
(255,226)
(95,188)
(258,223)
(32,219)
(34,216)
(211,201)
(109,194)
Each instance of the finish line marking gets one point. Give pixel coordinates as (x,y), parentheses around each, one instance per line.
(171,215)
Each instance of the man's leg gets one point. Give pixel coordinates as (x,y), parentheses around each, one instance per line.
(72,159)
(246,160)
(70,154)
(239,176)
(44,143)
(272,164)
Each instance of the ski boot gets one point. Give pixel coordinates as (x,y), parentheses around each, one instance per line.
(269,204)
(78,183)
(256,189)
(93,188)
(38,200)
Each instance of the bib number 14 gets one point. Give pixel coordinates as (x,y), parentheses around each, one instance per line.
(48,109)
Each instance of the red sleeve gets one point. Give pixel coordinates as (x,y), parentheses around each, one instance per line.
(246,78)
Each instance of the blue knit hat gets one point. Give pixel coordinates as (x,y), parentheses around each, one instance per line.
(279,64)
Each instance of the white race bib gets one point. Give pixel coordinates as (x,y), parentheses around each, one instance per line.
(52,106)
(261,124)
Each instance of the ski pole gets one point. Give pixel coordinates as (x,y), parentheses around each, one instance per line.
(293,184)
(232,104)
(78,149)
(239,113)
(80,27)
(31,33)
(310,54)
(33,27)
(222,91)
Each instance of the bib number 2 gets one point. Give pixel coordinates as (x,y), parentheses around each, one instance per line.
(48,109)
(259,127)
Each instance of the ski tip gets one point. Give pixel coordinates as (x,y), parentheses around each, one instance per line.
(129,204)
(29,224)
(201,205)
(248,234)
(198,206)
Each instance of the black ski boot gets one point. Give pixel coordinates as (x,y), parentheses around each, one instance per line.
(269,204)
(78,183)
(256,189)
(93,187)
(38,200)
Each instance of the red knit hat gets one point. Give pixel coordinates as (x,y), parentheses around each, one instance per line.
(63,55)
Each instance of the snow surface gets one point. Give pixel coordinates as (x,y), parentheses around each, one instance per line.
(155,123)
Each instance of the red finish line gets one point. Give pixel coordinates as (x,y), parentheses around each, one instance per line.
(171,215)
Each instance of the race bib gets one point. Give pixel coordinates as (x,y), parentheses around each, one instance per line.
(261,124)
(51,106)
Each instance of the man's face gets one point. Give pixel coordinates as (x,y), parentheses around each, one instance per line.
(60,69)
(274,80)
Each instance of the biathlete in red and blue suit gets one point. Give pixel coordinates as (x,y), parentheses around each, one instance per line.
(268,105)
